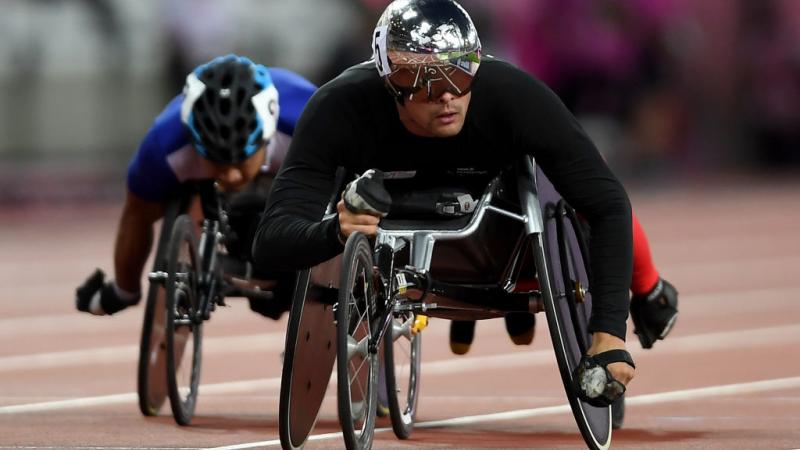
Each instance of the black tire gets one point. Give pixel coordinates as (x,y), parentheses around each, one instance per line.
(561,262)
(402,352)
(151,380)
(357,364)
(184,326)
(307,362)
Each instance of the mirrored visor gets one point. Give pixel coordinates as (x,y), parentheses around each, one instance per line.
(427,82)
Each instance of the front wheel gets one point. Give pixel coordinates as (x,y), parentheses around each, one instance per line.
(356,363)
(151,377)
(402,353)
(184,325)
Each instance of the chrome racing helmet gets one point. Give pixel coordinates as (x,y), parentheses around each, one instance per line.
(424,48)
(230,108)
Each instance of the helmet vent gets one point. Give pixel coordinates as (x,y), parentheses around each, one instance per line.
(225,106)
(211,97)
(225,132)
(209,124)
(239,124)
(227,79)
(240,96)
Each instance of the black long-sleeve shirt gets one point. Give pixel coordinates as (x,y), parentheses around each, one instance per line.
(353,122)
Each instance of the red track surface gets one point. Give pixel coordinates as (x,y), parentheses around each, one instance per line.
(732,249)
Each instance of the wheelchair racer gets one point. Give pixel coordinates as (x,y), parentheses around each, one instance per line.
(233,122)
(430,114)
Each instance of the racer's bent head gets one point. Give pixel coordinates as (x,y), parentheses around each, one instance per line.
(233,177)
(230,109)
(428,53)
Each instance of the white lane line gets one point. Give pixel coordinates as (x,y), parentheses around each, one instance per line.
(739,339)
(217,388)
(126,353)
(28,447)
(648,399)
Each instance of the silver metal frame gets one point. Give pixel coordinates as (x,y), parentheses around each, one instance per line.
(422,242)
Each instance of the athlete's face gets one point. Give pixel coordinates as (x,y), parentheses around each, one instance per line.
(233,177)
(443,117)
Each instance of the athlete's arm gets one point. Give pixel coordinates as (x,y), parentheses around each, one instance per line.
(571,161)
(134,240)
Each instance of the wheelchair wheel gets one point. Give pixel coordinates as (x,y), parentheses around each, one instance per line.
(357,364)
(184,326)
(562,262)
(402,353)
(307,362)
(151,377)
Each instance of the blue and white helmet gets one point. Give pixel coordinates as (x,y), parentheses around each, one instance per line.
(230,108)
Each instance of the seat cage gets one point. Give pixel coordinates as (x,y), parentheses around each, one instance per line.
(422,242)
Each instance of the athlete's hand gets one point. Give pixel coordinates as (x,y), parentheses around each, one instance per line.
(602,342)
(350,222)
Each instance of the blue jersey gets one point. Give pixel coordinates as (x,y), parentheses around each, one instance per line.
(166,158)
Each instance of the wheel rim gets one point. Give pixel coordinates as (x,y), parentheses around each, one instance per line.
(358,357)
(184,343)
(184,326)
(357,363)
(156,357)
(404,370)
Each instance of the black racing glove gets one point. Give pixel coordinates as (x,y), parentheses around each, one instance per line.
(654,313)
(100,298)
(593,383)
(367,195)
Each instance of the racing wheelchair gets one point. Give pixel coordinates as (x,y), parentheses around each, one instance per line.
(190,278)
(522,249)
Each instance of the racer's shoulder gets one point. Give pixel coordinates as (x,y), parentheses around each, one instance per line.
(166,133)
(498,70)
(358,81)
(504,82)
(285,79)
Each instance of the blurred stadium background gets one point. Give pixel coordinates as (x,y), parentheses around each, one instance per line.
(670,89)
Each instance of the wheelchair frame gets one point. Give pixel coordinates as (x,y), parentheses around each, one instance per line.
(560,258)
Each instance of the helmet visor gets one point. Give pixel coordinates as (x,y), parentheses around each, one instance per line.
(421,83)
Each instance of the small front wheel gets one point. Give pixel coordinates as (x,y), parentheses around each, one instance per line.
(357,363)
(402,353)
(184,325)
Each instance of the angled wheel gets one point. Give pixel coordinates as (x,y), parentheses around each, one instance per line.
(184,326)
(307,361)
(562,265)
(356,363)
(402,353)
(151,377)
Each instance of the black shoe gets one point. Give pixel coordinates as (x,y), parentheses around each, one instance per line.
(462,332)
(281,300)
(654,313)
(520,327)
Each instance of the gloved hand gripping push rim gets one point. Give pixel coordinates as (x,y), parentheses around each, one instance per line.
(593,383)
